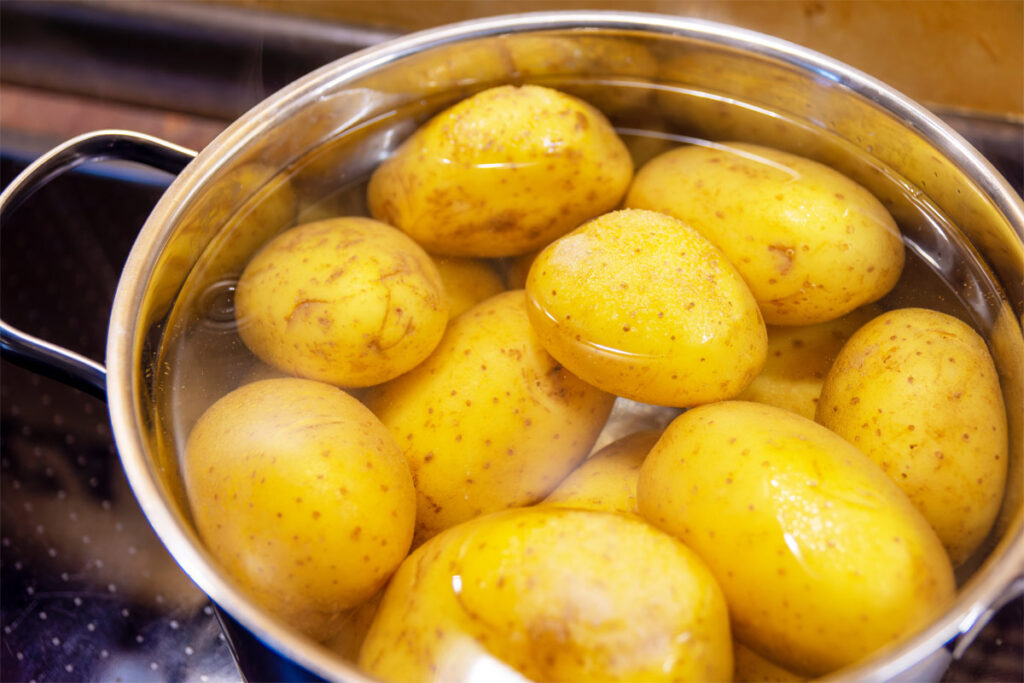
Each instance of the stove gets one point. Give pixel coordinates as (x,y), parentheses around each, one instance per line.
(88,591)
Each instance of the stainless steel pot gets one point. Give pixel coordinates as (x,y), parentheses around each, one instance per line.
(656,76)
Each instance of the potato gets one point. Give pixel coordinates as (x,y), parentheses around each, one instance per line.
(302,496)
(562,595)
(518,268)
(821,557)
(350,301)
(490,420)
(812,244)
(467,282)
(607,480)
(501,173)
(640,305)
(917,391)
(799,359)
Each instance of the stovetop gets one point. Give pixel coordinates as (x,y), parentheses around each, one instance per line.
(88,591)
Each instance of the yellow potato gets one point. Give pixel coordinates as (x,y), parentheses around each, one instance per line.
(350,301)
(640,305)
(501,173)
(607,480)
(516,269)
(302,496)
(490,420)
(555,595)
(812,244)
(467,282)
(821,557)
(917,391)
(799,359)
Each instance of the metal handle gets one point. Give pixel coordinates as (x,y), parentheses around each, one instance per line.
(31,352)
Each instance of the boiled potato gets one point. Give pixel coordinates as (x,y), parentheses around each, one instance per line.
(555,595)
(917,391)
(798,360)
(467,282)
(607,480)
(350,301)
(640,305)
(501,173)
(490,420)
(518,268)
(812,244)
(302,496)
(821,557)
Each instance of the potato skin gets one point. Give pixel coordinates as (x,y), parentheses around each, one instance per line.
(821,557)
(502,173)
(607,480)
(467,282)
(812,244)
(917,391)
(799,357)
(302,496)
(555,594)
(642,306)
(490,420)
(350,301)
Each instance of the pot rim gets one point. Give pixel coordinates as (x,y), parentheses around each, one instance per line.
(123,358)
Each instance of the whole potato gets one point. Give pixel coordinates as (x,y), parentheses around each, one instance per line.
(821,557)
(467,282)
(502,173)
(350,301)
(812,244)
(490,420)
(607,480)
(640,305)
(302,496)
(799,359)
(555,595)
(917,391)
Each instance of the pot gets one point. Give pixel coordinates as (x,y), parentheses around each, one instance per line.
(305,151)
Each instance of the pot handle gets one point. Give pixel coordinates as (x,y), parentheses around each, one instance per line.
(31,352)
